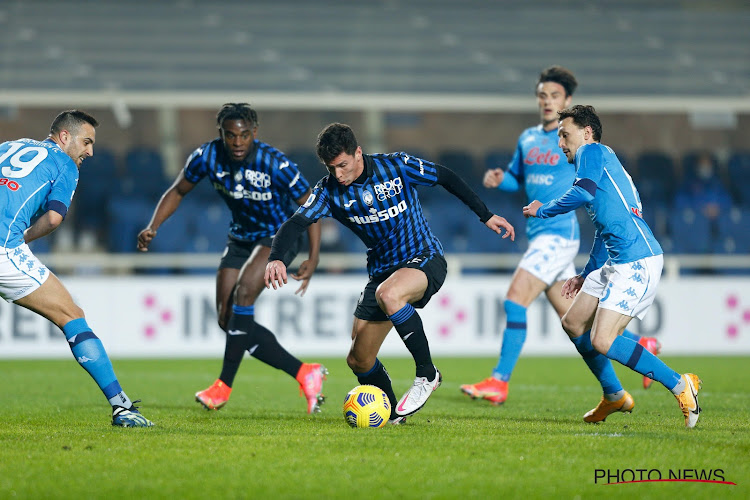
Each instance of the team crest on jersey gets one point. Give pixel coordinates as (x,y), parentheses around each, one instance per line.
(367,198)
(388,189)
(238,177)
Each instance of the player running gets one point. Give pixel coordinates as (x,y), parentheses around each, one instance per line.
(257,183)
(540,167)
(37,183)
(375,196)
(620,279)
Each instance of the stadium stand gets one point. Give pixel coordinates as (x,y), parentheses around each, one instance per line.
(656,178)
(474,46)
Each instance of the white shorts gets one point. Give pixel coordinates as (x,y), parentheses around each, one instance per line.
(550,258)
(20,272)
(628,288)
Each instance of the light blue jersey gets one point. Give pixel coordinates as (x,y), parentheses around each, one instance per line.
(540,165)
(35,176)
(605,188)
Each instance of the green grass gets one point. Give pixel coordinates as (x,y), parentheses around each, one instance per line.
(56,440)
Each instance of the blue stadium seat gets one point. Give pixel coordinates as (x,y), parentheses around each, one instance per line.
(461,162)
(210,225)
(733,233)
(144,175)
(97,182)
(308,163)
(691,232)
(655,177)
(498,158)
(448,221)
(690,163)
(127,216)
(739,176)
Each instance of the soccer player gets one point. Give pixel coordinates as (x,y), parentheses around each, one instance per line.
(540,167)
(257,182)
(37,183)
(375,196)
(620,279)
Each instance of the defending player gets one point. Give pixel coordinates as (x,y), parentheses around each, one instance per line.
(375,196)
(620,279)
(540,167)
(37,183)
(257,182)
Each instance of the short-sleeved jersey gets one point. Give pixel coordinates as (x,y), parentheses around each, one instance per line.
(34,175)
(616,209)
(258,191)
(383,211)
(541,166)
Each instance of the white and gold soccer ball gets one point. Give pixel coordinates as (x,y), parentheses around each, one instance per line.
(366,406)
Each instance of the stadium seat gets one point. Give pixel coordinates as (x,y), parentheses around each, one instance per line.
(690,163)
(308,164)
(655,177)
(498,158)
(126,216)
(210,225)
(733,233)
(691,232)
(739,176)
(144,175)
(448,222)
(97,182)
(461,162)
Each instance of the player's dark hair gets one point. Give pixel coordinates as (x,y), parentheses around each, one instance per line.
(583,116)
(71,120)
(559,75)
(237,111)
(335,139)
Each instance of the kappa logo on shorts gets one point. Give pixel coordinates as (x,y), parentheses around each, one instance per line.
(636,266)
(631,292)
(623,305)
(637,278)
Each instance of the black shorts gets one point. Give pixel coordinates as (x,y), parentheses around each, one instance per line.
(237,252)
(433,265)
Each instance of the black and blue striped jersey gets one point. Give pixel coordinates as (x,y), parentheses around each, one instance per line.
(383,211)
(259,191)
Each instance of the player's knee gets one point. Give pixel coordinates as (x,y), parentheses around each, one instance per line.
(601,343)
(359,363)
(571,326)
(388,299)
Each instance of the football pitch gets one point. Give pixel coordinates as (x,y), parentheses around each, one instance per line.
(56,440)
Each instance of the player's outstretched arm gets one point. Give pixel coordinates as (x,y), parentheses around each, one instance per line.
(497,224)
(167,205)
(572,286)
(47,223)
(275,275)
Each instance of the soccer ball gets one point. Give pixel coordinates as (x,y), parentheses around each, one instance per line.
(366,406)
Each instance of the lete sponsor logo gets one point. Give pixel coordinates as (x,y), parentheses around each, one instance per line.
(536,156)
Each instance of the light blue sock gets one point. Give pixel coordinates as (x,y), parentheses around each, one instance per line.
(513,338)
(635,357)
(598,363)
(90,354)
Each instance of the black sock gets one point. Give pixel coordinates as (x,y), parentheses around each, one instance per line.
(378,376)
(239,329)
(268,350)
(409,327)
